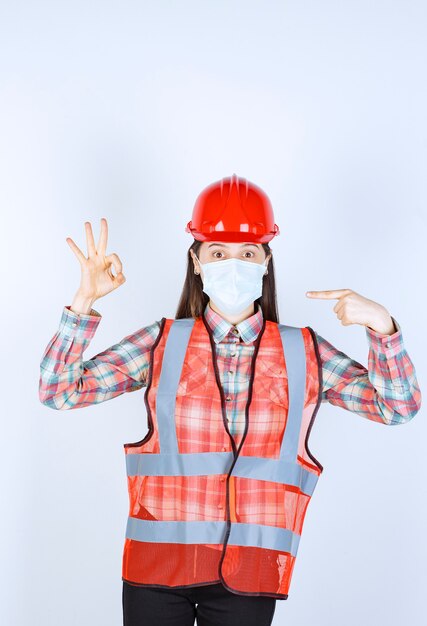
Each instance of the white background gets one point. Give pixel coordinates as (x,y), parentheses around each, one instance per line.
(128,110)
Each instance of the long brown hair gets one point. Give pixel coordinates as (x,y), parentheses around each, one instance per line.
(193,299)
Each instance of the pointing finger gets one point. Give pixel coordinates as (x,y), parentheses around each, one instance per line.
(328,294)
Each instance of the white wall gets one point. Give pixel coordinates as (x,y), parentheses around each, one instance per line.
(127,110)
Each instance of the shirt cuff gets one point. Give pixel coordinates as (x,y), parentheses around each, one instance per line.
(84,324)
(390,345)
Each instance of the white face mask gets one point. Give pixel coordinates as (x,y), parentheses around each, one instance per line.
(233,284)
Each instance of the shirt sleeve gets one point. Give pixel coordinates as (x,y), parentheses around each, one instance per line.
(386,391)
(68,382)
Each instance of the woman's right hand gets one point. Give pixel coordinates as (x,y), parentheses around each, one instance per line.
(97,278)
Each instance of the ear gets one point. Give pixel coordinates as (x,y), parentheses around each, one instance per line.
(195,263)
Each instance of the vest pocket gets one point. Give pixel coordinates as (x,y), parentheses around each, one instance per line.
(143,511)
(182,498)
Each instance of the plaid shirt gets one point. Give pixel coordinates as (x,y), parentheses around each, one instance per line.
(387,391)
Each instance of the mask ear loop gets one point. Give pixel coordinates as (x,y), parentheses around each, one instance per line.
(266,271)
(197,273)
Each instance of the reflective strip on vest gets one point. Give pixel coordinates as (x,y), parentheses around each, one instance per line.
(213,532)
(202,463)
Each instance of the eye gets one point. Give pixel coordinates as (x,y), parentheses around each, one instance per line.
(219,252)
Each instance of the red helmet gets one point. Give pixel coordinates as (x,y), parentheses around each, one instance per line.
(233,209)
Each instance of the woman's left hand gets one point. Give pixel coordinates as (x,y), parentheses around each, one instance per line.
(353,308)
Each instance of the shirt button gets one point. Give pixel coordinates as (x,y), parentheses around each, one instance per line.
(224,448)
(230,372)
(388,344)
(232,354)
(228,398)
(236,331)
(222,479)
(74,323)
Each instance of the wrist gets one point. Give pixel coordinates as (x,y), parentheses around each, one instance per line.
(383,326)
(82,304)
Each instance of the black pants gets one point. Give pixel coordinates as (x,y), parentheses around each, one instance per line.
(216,606)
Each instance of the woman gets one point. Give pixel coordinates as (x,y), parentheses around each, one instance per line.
(220,484)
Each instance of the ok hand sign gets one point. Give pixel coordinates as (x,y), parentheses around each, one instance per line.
(97,278)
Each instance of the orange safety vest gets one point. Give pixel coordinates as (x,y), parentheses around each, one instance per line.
(206,507)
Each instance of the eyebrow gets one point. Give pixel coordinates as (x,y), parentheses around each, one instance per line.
(223,245)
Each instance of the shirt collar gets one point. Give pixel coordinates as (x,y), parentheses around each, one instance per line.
(248,329)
